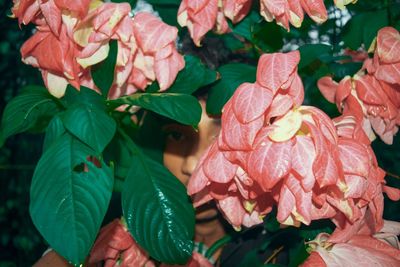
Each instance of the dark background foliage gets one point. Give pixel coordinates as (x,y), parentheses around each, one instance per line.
(21,244)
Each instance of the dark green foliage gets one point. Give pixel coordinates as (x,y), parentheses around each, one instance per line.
(82,153)
(70,196)
(181,107)
(157,210)
(33,107)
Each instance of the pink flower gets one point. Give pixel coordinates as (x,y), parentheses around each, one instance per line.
(292,11)
(373,103)
(157,57)
(146,47)
(271,151)
(116,247)
(201,16)
(372,96)
(360,250)
(386,62)
(55,57)
(80,39)
(48,12)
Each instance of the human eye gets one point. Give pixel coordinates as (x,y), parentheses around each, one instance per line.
(174,133)
(175,136)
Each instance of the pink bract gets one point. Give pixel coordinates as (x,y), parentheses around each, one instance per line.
(372,95)
(202,16)
(272,151)
(115,244)
(359,250)
(80,39)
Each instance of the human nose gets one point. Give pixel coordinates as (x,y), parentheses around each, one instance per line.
(190,164)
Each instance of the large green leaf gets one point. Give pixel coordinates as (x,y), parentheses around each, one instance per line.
(167,9)
(54,131)
(246,26)
(67,201)
(158,211)
(311,52)
(268,36)
(33,106)
(91,125)
(84,96)
(192,77)
(103,72)
(362,28)
(180,107)
(232,75)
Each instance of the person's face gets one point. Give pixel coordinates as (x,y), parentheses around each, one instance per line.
(184,147)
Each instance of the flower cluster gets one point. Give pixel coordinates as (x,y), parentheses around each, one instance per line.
(292,11)
(70,38)
(274,152)
(362,250)
(116,247)
(201,16)
(372,96)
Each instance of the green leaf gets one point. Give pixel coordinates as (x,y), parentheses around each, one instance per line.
(251,259)
(245,27)
(33,106)
(91,125)
(311,231)
(297,254)
(232,75)
(342,70)
(363,27)
(67,202)
(311,52)
(103,72)
(164,2)
(192,77)
(271,224)
(180,107)
(54,131)
(373,23)
(268,36)
(167,9)
(84,96)
(131,2)
(158,211)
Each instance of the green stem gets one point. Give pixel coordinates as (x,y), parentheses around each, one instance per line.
(218,244)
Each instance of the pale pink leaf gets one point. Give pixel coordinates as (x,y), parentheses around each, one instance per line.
(315,9)
(269,162)
(354,157)
(303,156)
(217,168)
(250,101)
(328,88)
(237,135)
(388,45)
(274,69)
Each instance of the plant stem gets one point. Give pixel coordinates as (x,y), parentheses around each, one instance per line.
(218,244)
(276,251)
(393,175)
